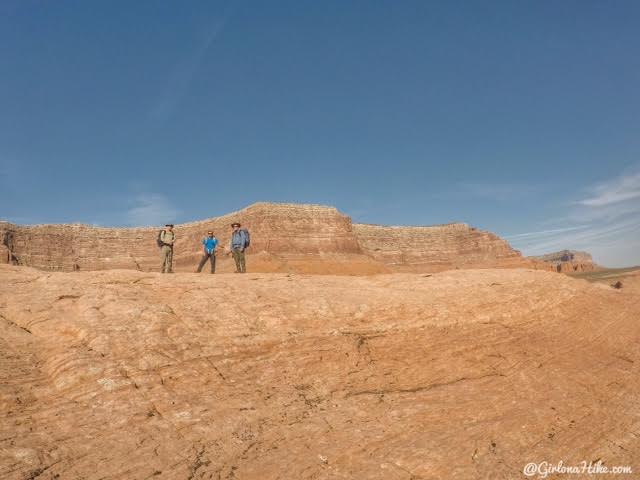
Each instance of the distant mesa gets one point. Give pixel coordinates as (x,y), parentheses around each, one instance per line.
(284,238)
(568,261)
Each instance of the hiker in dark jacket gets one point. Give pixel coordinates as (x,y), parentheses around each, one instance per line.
(209,243)
(239,242)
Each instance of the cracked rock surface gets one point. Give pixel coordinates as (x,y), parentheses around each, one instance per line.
(461,374)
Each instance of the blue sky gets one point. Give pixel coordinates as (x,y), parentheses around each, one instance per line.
(517,117)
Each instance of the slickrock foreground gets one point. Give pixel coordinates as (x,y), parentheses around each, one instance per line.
(462,374)
(285,238)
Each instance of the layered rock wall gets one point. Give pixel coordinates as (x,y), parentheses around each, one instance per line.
(296,232)
(78,247)
(438,247)
(284,237)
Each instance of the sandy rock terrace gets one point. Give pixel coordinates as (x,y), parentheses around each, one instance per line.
(459,374)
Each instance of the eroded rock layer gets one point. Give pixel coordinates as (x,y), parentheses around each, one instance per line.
(285,238)
(460,374)
(438,247)
(568,261)
(280,234)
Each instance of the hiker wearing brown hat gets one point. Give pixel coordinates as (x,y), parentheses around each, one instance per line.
(240,240)
(166,239)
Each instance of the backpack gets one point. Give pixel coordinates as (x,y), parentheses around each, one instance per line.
(247,237)
(159,238)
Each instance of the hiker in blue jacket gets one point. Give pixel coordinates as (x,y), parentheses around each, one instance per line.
(209,243)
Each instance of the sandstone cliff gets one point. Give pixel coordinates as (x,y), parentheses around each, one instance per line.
(568,261)
(438,247)
(466,374)
(285,238)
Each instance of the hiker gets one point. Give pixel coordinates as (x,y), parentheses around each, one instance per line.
(8,242)
(240,240)
(210,242)
(166,239)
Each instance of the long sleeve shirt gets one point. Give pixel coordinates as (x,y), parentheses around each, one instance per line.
(238,240)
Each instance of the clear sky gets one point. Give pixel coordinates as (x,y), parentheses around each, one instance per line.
(518,117)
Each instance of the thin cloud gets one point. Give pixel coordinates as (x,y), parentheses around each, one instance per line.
(595,236)
(180,79)
(606,222)
(621,189)
(545,233)
(605,213)
(498,192)
(494,191)
(151,209)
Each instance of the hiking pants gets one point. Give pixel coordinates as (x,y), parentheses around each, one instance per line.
(238,257)
(212,258)
(167,259)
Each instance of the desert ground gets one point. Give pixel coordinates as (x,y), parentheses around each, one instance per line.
(461,374)
(605,275)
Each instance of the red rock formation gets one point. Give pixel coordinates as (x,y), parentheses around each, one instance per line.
(4,255)
(285,237)
(569,261)
(300,233)
(439,247)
